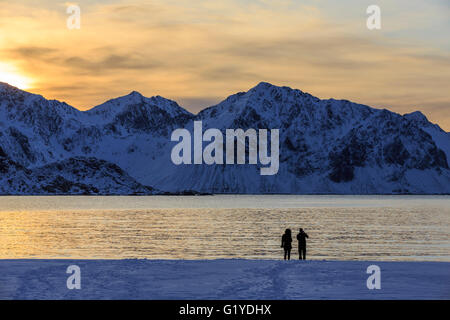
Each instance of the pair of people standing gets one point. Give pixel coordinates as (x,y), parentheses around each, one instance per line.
(286,243)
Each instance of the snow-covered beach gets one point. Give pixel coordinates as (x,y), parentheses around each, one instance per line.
(222,279)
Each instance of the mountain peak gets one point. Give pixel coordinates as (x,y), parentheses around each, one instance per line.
(417,116)
(266,87)
(134,99)
(4,84)
(7,87)
(135,94)
(263,86)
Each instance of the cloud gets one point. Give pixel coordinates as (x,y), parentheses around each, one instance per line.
(110,63)
(32,52)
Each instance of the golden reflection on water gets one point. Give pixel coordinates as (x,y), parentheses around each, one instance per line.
(195,233)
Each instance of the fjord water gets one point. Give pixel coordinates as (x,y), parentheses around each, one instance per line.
(389,228)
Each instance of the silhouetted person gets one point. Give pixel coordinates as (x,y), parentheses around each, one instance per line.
(301,237)
(286,243)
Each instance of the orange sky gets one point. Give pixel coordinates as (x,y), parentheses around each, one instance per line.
(199,52)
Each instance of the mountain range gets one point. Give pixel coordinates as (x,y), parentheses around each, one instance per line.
(123,146)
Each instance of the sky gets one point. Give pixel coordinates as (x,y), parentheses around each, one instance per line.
(199,52)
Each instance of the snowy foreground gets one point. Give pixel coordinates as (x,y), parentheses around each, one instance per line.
(222,279)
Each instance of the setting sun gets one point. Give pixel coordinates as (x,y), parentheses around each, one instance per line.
(12,76)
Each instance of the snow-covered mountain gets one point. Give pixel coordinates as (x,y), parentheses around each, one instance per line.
(71,176)
(123,146)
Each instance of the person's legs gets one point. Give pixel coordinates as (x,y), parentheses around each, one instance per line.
(289,254)
(285,253)
(301,253)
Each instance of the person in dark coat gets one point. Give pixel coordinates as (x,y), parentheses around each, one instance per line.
(301,237)
(286,243)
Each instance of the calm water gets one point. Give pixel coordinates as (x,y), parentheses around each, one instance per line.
(209,227)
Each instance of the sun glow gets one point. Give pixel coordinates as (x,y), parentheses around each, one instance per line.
(12,76)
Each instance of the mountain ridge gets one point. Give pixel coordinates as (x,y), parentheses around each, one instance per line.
(326,146)
(419,113)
